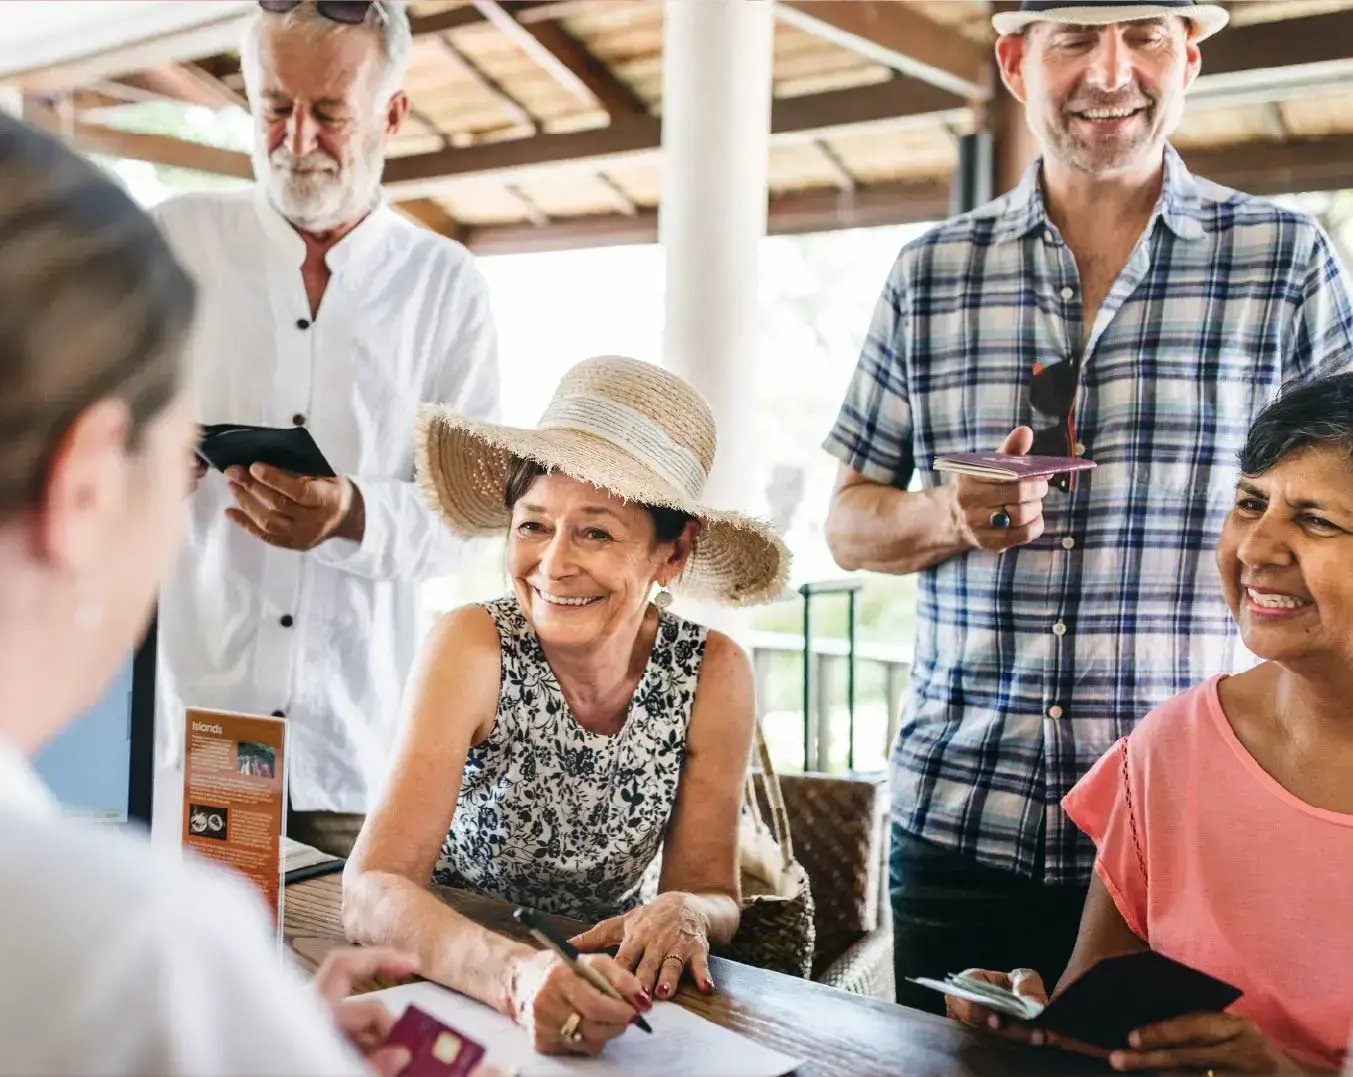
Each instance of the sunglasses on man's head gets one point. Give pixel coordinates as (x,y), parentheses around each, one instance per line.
(348,12)
(1052,391)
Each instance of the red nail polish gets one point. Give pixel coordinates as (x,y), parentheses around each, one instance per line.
(662,990)
(708,985)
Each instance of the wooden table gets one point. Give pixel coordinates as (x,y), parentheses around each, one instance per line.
(839,1034)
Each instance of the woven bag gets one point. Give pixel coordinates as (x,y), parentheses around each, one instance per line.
(776,931)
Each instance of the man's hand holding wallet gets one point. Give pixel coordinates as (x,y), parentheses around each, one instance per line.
(286,494)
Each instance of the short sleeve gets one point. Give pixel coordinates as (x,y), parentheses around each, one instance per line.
(1322,343)
(873,431)
(1101,805)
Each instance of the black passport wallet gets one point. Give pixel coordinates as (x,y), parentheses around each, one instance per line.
(1108,1000)
(290,448)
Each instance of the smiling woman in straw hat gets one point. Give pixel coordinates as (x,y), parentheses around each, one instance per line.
(556,740)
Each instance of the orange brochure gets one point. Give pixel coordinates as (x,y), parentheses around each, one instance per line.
(235,795)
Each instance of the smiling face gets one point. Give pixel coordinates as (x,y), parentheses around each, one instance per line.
(1102,99)
(1284,557)
(321,124)
(582,561)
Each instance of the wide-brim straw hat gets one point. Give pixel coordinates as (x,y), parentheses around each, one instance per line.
(1206,18)
(622,425)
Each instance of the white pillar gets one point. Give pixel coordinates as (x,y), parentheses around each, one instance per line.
(716,98)
(716,92)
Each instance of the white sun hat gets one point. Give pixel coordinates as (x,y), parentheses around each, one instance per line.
(1207,18)
(625,426)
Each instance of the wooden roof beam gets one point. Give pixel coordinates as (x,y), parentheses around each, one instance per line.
(897,103)
(897,36)
(188,83)
(545,10)
(841,175)
(818,210)
(514,108)
(530,208)
(451,19)
(623,202)
(158,149)
(431,215)
(126,93)
(1263,46)
(423,120)
(220,35)
(1268,168)
(566,59)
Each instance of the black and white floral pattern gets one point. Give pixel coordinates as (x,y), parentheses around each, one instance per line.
(559,818)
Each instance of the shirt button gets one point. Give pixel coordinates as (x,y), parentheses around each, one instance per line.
(298,419)
(1059,629)
(1079,448)
(1055,711)
(1068,543)
(279,714)
(286,620)
(1068,292)
(302,323)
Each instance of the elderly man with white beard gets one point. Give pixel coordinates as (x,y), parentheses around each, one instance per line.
(320,307)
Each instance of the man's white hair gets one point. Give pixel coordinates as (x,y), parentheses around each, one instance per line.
(392,34)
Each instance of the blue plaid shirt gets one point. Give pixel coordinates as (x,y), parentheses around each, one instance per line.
(1031,663)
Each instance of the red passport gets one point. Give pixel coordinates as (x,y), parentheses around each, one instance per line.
(1009,467)
(438,1049)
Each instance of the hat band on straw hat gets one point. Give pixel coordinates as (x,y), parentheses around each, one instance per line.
(1207,18)
(632,431)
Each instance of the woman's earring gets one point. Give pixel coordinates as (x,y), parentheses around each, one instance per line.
(663,598)
(88,614)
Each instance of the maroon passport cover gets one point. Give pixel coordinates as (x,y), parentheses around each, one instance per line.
(438,1050)
(1009,466)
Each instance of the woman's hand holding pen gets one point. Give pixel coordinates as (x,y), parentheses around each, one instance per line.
(544,994)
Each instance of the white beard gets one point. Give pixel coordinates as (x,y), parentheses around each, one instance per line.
(313,192)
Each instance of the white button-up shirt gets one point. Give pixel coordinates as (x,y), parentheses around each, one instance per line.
(325,637)
(119,961)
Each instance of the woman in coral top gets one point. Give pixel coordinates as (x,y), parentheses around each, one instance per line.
(1224,823)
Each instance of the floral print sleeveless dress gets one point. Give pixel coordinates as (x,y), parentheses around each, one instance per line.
(556,817)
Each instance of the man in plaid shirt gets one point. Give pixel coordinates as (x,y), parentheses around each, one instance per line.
(1112,306)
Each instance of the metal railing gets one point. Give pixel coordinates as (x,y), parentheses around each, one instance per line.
(822,656)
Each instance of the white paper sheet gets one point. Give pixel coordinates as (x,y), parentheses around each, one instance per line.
(683,1044)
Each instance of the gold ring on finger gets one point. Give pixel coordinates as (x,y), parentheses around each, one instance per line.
(675,957)
(571,1030)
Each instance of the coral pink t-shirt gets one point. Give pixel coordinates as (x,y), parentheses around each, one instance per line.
(1228,871)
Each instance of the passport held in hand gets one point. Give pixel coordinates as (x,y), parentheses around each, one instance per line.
(1107,1001)
(1009,467)
(438,1050)
(291,448)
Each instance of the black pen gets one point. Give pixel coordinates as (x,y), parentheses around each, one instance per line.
(529,919)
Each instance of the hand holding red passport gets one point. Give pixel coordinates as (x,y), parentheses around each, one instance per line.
(438,1050)
(997,501)
(1009,467)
